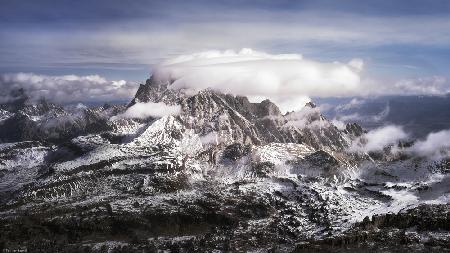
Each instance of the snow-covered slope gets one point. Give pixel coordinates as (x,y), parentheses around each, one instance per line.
(224,174)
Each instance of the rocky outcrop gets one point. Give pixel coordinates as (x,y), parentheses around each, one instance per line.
(354,129)
(419,229)
(422,218)
(235,119)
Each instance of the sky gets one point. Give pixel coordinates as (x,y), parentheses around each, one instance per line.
(398,41)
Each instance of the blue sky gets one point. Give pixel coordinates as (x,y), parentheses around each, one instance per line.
(122,39)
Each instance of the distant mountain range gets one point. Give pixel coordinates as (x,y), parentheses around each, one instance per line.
(419,115)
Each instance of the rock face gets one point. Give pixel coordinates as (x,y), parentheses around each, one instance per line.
(422,228)
(354,129)
(222,175)
(234,118)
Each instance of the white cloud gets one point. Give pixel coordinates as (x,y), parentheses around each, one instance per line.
(435,146)
(285,79)
(289,80)
(355,116)
(434,85)
(307,117)
(66,89)
(356,63)
(146,110)
(379,138)
(354,103)
(381,115)
(339,124)
(290,103)
(350,117)
(284,103)
(300,123)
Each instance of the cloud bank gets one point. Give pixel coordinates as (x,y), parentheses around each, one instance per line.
(435,145)
(377,139)
(65,89)
(146,110)
(282,78)
(434,85)
(287,79)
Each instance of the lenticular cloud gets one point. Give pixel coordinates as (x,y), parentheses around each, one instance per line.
(284,78)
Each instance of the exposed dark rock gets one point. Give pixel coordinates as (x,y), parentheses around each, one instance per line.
(405,231)
(322,159)
(235,151)
(263,169)
(354,129)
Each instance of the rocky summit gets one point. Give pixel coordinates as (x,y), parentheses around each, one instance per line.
(222,174)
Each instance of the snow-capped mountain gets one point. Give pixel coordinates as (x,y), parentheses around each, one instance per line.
(222,174)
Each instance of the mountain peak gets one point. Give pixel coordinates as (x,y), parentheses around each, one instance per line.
(311,104)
